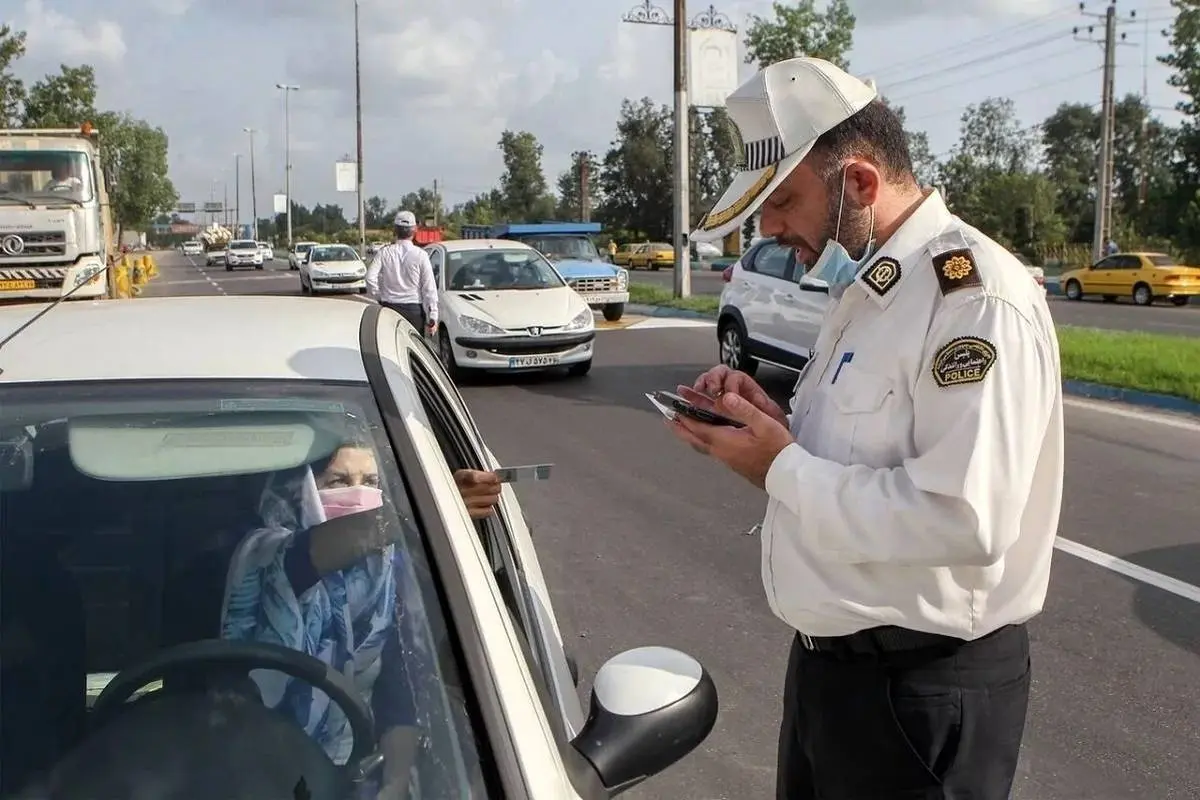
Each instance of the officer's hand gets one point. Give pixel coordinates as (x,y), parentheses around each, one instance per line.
(748,451)
(722,380)
(479,490)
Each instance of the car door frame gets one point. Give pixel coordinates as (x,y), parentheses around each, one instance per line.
(496,673)
(439,267)
(766,327)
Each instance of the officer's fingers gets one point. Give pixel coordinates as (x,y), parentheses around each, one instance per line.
(712,382)
(693,439)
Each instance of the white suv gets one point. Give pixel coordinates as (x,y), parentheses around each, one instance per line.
(769,312)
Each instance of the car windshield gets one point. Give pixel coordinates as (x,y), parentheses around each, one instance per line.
(304,247)
(156,535)
(263,245)
(473,270)
(334,254)
(243,245)
(579,248)
(45,174)
(1161,260)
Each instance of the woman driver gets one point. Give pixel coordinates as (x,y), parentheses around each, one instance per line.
(331,594)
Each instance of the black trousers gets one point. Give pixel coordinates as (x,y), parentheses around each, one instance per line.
(943,722)
(413,312)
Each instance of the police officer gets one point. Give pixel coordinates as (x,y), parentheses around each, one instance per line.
(401,277)
(913,491)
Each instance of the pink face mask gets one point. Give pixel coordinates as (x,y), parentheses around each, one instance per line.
(349,500)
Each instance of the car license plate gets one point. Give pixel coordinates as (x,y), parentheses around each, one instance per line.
(532,361)
(594,299)
(16,286)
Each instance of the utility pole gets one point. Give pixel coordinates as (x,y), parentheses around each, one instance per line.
(649,14)
(358,124)
(1102,225)
(253,186)
(237,190)
(437,204)
(287,155)
(225,205)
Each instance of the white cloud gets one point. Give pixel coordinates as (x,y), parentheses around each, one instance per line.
(56,35)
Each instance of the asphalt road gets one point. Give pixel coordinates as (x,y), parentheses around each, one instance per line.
(1122,315)
(643,542)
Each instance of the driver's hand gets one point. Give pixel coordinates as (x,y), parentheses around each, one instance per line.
(480,491)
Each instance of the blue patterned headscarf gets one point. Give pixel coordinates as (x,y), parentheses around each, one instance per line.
(343,619)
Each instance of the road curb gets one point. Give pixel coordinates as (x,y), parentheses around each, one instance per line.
(1094,391)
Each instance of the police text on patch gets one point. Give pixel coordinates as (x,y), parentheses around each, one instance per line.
(966,359)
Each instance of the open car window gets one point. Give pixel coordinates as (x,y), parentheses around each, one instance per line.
(141,517)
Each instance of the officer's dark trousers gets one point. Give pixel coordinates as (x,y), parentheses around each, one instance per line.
(944,722)
(413,312)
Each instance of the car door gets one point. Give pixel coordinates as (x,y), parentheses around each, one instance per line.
(437,258)
(1100,278)
(767,283)
(1127,273)
(514,558)
(520,703)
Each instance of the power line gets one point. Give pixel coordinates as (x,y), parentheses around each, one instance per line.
(1034,88)
(1022,48)
(906,97)
(970,44)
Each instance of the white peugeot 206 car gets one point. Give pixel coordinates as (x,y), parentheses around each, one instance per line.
(237,572)
(330,268)
(503,307)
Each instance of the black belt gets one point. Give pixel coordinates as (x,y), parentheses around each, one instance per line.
(874,641)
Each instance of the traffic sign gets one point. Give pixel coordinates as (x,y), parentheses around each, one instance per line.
(186,208)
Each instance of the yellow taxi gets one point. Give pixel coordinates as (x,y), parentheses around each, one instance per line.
(624,253)
(1145,277)
(654,256)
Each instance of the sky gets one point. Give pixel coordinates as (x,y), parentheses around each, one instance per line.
(441,80)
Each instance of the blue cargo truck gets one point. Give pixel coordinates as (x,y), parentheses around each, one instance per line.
(569,247)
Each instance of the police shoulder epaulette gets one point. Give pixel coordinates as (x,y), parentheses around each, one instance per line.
(954,265)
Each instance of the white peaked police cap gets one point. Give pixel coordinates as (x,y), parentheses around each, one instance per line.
(406,219)
(780,113)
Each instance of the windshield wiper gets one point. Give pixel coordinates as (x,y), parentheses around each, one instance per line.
(56,196)
(16,198)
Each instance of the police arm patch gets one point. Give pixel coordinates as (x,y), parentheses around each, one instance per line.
(967,359)
(882,275)
(956,269)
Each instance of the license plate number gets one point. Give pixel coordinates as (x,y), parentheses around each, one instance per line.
(532,361)
(594,299)
(15,286)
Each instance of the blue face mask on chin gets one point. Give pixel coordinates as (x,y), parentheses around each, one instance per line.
(835,266)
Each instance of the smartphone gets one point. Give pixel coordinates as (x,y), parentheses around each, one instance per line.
(530,472)
(692,411)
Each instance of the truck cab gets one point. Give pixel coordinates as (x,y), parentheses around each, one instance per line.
(570,247)
(56,229)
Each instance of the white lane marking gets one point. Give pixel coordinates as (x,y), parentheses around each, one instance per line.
(654,323)
(206,276)
(1130,570)
(1116,409)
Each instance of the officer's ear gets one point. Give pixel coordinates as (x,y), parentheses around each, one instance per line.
(863,182)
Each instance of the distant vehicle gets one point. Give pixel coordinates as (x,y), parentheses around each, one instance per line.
(625,253)
(653,256)
(192,248)
(299,253)
(570,248)
(1144,277)
(268,252)
(1037,273)
(503,307)
(56,227)
(243,253)
(331,268)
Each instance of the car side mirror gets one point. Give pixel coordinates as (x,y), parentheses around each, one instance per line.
(808,284)
(650,707)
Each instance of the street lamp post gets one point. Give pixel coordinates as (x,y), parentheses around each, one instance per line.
(253,186)
(358,125)
(649,14)
(237,189)
(287,90)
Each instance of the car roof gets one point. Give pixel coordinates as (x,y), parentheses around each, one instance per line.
(244,337)
(461,245)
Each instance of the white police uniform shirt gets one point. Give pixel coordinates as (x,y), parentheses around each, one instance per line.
(401,272)
(924,487)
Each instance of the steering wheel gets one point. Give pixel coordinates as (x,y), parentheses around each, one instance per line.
(224,654)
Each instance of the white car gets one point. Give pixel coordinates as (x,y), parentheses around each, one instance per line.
(214,256)
(331,268)
(769,311)
(298,253)
(503,307)
(144,495)
(192,248)
(243,253)
(268,252)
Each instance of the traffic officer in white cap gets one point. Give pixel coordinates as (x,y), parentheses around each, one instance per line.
(401,277)
(913,490)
